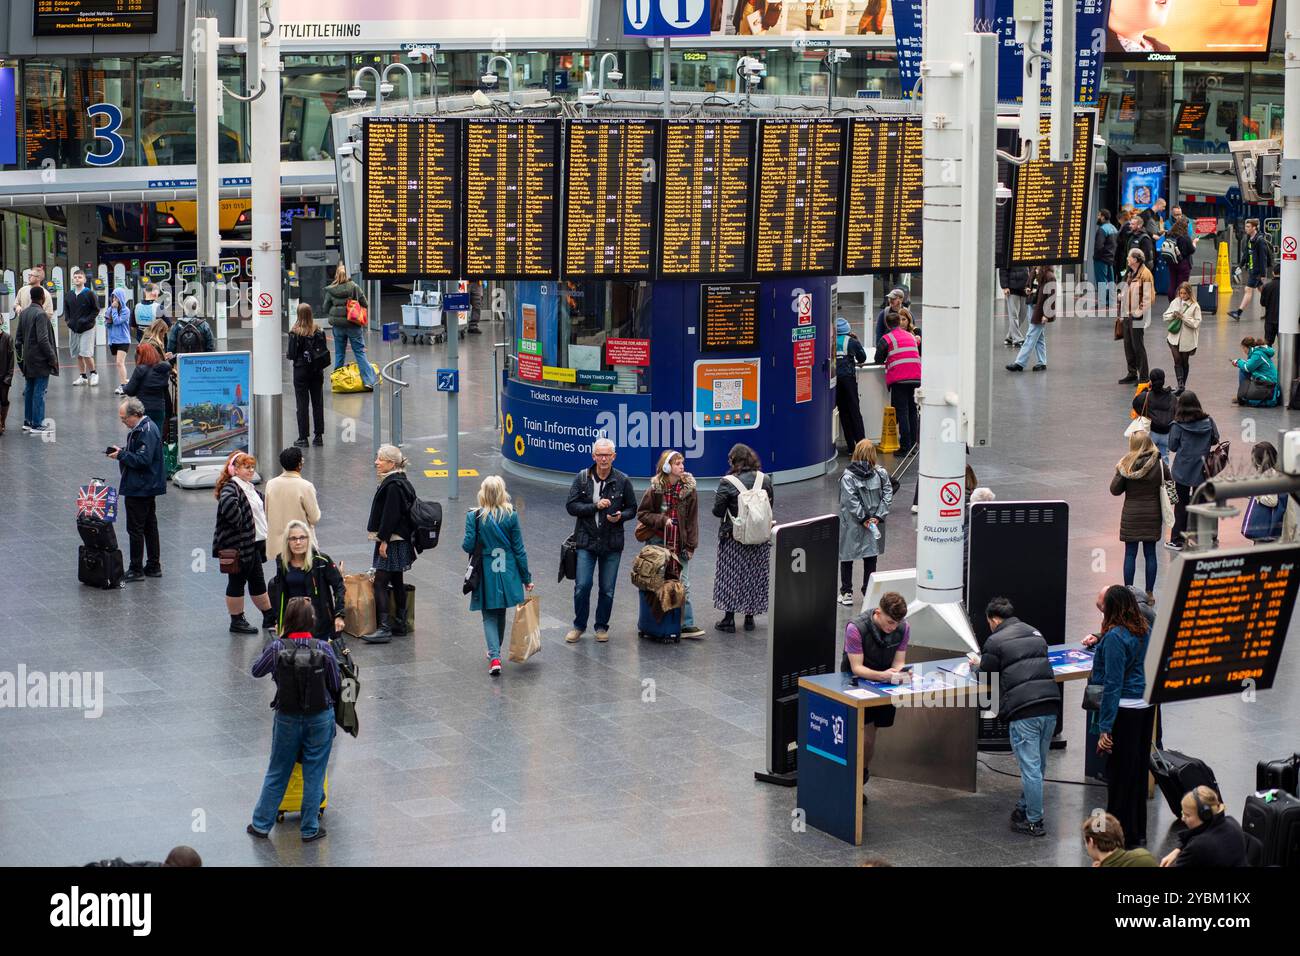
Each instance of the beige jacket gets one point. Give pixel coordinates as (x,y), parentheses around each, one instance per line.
(1139,295)
(288,496)
(1186,338)
(23,298)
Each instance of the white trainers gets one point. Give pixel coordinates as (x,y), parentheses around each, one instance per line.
(119,391)
(846,598)
(94,378)
(80,380)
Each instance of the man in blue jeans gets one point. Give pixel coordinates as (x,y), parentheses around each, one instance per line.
(306,676)
(1027,697)
(602,500)
(38,359)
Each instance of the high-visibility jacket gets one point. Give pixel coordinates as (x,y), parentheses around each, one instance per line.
(903,360)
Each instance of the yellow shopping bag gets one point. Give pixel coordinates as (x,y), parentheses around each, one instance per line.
(348,378)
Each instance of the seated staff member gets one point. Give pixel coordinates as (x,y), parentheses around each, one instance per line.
(875,649)
(1212,838)
(1103,839)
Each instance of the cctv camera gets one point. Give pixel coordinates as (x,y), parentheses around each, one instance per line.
(615,75)
(1002,193)
(385,88)
(837,56)
(347,149)
(750,65)
(480,99)
(489,79)
(356,94)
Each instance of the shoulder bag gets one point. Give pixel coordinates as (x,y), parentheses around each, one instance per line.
(474,570)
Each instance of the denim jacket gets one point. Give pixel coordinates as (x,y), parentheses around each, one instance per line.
(1119,665)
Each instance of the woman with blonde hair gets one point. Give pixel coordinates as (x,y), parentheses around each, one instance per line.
(241,534)
(309,355)
(303,572)
(156,335)
(865,496)
(391,529)
(1140,478)
(669,515)
(492,532)
(337,296)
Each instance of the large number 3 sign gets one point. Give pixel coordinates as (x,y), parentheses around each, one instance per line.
(109,133)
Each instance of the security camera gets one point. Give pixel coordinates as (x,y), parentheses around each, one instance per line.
(489,79)
(386,88)
(615,75)
(347,149)
(837,56)
(589,97)
(356,94)
(481,99)
(1002,193)
(751,66)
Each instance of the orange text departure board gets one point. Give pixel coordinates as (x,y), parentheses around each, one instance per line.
(884,196)
(797,197)
(611,197)
(707,171)
(412,197)
(512,198)
(54,18)
(1049,217)
(1225,626)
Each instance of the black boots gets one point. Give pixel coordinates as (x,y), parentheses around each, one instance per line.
(4,413)
(382,634)
(727,624)
(397,623)
(239,625)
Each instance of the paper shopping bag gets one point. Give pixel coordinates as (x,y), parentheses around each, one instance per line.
(358,604)
(526,633)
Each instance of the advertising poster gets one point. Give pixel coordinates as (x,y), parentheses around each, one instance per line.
(813,18)
(1142,183)
(379,24)
(215,401)
(8,118)
(1142,30)
(726,394)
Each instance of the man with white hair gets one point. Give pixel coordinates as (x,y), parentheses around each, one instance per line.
(602,500)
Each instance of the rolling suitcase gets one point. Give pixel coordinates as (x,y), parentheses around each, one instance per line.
(1278,774)
(1273,818)
(292,800)
(100,567)
(665,630)
(1207,293)
(97,533)
(1177,774)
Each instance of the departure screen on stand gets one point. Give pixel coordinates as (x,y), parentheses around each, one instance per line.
(884,198)
(1226,623)
(512,198)
(796,219)
(729,317)
(78,17)
(611,197)
(1050,207)
(707,174)
(412,197)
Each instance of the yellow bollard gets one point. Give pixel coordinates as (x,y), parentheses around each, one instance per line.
(889,431)
(1223,271)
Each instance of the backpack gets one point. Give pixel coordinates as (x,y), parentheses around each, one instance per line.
(753,521)
(650,569)
(189,338)
(1169,251)
(300,678)
(426,517)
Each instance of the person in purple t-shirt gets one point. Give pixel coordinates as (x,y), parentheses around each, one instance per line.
(875,649)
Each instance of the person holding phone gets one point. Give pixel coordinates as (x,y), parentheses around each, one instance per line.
(875,649)
(601,500)
(144,478)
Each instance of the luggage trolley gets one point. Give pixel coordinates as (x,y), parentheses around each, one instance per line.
(419,318)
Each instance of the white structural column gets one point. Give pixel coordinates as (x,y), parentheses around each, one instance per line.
(267,305)
(1289,300)
(942,464)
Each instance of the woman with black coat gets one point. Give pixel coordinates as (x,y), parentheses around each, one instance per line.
(1157,403)
(151,383)
(741,579)
(302,571)
(391,529)
(1139,477)
(309,355)
(241,528)
(1190,439)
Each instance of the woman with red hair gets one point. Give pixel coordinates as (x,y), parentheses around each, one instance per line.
(239,541)
(150,383)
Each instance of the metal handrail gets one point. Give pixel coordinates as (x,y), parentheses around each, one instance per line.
(384,374)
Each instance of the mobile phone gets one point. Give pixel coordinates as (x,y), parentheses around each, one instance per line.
(109,450)
(905,668)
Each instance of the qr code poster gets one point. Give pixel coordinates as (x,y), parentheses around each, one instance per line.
(726,394)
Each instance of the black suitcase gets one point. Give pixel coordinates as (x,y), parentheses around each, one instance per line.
(665,630)
(1273,818)
(1279,774)
(100,567)
(97,533)
(1178,774)
(1207,294)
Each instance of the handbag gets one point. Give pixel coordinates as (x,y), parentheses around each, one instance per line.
(1216,459)
(1254,390)
(321,358)
(474,570)
(345,707)
(1092,696)
(357,314)
(1168,496)
(1261,523)
(1119,329)
(569,559)
(229,558)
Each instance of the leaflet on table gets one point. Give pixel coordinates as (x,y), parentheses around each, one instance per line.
(930,680)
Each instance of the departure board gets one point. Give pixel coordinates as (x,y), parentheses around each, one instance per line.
(884,196)
(412,197)
(707,170)
(512,198)
(1049,221)
(729,317)
(1226,623)
(797,197)
(73,17)
(611,195)
(1191,119)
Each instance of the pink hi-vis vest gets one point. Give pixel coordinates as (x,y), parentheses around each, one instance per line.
(903,361)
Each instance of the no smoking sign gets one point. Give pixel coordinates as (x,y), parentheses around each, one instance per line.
(950,500)
(1288,247)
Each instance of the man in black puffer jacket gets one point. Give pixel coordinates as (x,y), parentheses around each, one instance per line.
(1027,698)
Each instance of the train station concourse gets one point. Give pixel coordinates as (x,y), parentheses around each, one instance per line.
(589,434)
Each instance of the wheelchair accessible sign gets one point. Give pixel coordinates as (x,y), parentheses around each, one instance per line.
(666,18)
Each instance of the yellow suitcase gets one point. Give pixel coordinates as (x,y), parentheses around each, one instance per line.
(292,801)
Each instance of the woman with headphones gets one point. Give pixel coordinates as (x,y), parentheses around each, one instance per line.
(1212,838)
(669,515)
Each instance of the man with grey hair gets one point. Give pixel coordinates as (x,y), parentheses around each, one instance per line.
(144,477)
(893,301)
(601,499)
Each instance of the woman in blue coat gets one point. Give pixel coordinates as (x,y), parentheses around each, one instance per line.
(505,575)
(118,321)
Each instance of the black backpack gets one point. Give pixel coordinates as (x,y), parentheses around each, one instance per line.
(426,519)
(300,678)
(189,338)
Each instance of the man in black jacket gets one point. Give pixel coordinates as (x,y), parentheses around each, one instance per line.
(80,310)
(602,499)
(1027,698)
(38,358)
(1270,299)
(144,478)
(1212,838)
(1255,262)
(1139,238)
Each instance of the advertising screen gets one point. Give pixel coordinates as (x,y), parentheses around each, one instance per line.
(214,397)
(1161,30)
(1142,182)
(814,19)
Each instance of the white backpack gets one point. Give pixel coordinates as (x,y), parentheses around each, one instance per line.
(753,521)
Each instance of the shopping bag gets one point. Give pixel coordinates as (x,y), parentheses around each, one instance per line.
(359,604)
(348,378)
(526,632)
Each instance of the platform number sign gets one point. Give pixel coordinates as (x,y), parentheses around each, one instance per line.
(108,133)
(666,18)
(448,380)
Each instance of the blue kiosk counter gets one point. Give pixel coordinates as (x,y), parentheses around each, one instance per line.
(694,367)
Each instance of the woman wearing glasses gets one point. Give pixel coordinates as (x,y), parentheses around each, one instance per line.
(302,571)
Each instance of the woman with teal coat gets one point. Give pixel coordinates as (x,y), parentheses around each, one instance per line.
(505,575)
(1257,370)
